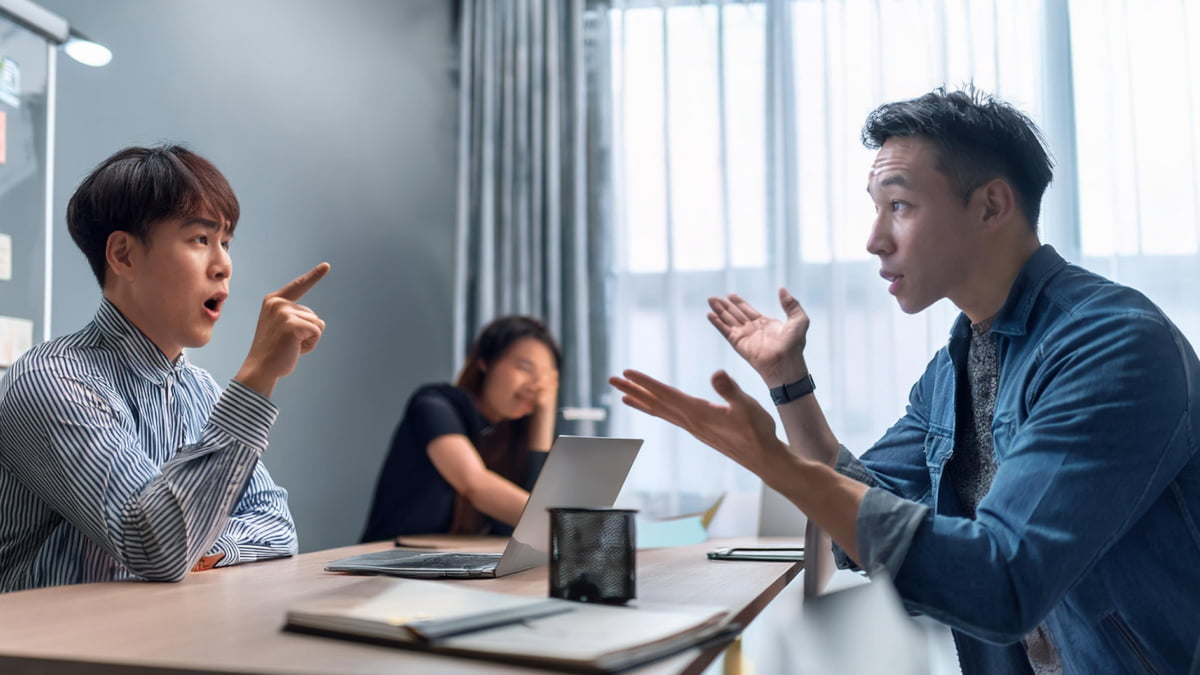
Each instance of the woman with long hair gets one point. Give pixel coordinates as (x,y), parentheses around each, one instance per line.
(465,455)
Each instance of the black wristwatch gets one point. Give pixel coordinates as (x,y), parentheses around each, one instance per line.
(790,392)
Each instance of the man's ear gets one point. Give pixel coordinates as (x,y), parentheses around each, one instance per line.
(998,202)
(120,254)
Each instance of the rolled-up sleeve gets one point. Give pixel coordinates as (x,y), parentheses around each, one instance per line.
(884,526)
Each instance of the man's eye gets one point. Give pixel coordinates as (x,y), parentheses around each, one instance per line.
(225,245)
(202,239)
(898,206)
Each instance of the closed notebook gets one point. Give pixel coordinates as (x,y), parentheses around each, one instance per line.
(415,611)
(548,632)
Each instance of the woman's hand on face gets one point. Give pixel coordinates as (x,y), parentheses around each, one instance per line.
(547,398)
(545,411)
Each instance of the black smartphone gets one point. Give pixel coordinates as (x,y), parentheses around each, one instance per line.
(771,554)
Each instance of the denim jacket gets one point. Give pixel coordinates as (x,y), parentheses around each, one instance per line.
(1092,523)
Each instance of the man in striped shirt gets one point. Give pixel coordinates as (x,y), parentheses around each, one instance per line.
(118,458)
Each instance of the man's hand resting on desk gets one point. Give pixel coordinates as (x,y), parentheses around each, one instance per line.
(742,430)
(286,330)
(208,562)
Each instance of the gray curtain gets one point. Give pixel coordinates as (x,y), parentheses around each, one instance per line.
(524,243)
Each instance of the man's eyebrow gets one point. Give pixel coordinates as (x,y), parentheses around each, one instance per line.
(206,223)
(894,179)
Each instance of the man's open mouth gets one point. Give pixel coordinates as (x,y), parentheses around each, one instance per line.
(214,303)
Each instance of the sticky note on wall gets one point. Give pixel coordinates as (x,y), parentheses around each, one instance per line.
(16,337)
(5,257)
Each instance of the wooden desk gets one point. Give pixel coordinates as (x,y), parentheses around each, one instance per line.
(228,620)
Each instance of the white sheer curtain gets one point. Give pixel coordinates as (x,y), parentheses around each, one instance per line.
(737,166)
(1138,119)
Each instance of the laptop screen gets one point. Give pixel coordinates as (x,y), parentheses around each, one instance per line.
(814,561)
(581,471)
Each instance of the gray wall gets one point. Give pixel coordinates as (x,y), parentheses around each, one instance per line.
(335,122)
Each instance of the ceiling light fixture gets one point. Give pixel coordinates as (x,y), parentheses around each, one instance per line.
(86,50)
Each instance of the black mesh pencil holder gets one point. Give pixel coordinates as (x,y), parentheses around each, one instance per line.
(593,555)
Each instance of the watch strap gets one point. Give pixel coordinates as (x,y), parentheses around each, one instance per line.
(790,392)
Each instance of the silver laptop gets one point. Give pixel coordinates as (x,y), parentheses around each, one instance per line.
(581,471)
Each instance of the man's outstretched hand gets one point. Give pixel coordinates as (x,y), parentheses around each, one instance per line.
(774,348)
(286,330)
(741,430)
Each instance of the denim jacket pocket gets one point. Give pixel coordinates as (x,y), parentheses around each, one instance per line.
(939,445)
(1003,431)
(1133,655)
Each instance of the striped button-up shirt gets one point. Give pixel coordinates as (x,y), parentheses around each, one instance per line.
(117,464)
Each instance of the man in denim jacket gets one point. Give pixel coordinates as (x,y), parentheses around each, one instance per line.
(1041,494)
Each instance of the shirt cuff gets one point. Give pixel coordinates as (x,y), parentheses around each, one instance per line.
(229,547)
(885,527)
(244,414)
(848,465)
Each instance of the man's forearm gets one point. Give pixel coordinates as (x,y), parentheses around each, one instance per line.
(261,526)
(178,516)
(808,432)
(828,498)
(156,521)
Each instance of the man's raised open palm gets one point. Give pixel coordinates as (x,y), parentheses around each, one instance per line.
(774,348)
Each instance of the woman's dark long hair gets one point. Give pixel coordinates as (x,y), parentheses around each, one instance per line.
(494,340)
(505,447)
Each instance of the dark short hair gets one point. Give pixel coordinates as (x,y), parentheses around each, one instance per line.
(136,189)
(978,138)
(494,340)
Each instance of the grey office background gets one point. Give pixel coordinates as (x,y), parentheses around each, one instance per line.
(335,122)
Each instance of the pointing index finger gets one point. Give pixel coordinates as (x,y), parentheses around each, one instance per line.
(296,288)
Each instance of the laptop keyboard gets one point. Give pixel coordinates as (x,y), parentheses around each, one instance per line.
(454,560)
(413,563)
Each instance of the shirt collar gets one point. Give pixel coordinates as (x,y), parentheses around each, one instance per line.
(137,351)
(1013,317)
